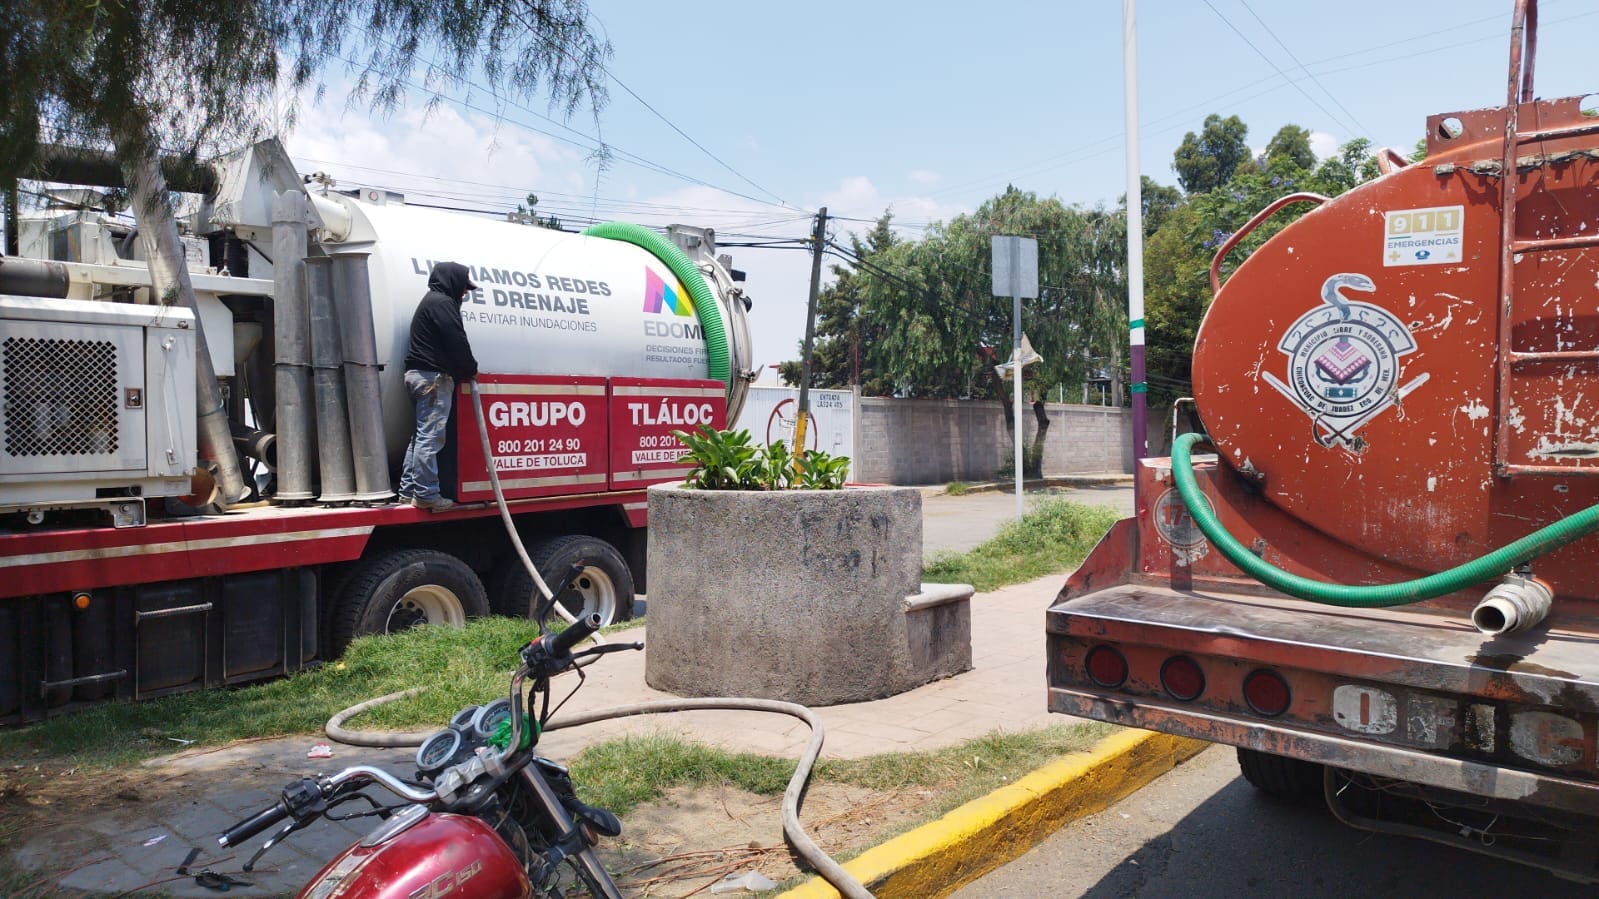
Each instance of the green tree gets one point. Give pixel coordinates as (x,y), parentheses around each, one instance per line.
(943,330)
(1290,147)
(1159,201)
(937,330)
(1208,160)
(187,77)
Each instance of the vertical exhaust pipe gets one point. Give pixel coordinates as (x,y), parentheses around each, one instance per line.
(352,291)
(290,329)
(327,363)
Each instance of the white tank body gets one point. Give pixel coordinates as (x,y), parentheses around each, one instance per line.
(548,302)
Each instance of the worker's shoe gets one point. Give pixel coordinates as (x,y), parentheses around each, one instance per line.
(433,504)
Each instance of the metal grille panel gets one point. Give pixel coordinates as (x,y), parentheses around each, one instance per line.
(60,397)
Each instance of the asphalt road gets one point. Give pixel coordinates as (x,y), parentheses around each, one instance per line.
(958,523)
(1201,831)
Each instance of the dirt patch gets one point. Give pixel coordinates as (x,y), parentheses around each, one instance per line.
(685,843)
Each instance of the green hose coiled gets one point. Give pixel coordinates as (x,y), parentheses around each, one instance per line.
(679,264)
(1484,568)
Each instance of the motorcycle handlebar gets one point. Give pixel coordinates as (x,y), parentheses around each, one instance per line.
(253,825)
(325,788)
(554,646)
(561,644)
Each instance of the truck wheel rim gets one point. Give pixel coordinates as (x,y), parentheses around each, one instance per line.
(597,592)
(430,604)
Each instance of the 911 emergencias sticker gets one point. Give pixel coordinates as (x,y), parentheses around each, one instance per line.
(1423,236)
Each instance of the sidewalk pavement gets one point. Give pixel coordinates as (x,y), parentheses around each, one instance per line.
(1005,690)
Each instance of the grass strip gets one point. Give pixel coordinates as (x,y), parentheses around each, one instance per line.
(624,773)
(1056,535)
(463,667)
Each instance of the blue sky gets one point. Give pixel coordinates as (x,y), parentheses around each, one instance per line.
(930,108)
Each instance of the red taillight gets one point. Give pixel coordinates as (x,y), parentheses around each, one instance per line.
(1182,678)
(1106,666)
(1266,692)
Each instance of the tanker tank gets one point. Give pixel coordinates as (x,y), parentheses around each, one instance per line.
(548,302)
(1396,373)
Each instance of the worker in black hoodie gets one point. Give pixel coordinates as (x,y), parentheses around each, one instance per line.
(438,356)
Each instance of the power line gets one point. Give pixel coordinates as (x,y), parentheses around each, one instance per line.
(1070,156)
(1302,68)
(1284,75)
(594,144)
(684,134)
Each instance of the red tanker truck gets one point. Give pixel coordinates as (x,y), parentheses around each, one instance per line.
(1379,582)
(135,561)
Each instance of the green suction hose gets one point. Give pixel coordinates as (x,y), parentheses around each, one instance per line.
(1484,568)
(679,264)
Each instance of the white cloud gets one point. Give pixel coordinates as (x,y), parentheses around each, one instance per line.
(470,158)
(1324,145)
(855,196)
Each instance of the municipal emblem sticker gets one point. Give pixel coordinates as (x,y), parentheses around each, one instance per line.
(1343,362)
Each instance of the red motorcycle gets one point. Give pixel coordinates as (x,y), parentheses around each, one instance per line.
(485,816)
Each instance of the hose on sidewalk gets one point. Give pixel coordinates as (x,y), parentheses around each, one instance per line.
(830,870)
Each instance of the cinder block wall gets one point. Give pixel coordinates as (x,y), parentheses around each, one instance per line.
(901,441)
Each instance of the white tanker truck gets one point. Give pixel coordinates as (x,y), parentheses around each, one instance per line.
(137,558)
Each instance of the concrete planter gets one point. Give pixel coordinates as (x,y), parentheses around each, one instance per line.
(810,596)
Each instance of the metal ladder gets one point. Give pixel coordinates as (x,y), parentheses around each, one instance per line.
(1523,39)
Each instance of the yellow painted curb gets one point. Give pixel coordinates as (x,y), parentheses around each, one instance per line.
(939,858)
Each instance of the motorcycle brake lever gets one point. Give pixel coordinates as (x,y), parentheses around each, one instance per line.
(608,647)
(291,827)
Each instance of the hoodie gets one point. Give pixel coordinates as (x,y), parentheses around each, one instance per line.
(438,339)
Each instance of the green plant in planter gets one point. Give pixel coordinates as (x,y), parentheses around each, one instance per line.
(725,460)
(821,471)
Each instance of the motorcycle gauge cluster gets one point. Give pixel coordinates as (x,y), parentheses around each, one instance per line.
(438,752)
(489,717)
(463,718)
(469,728)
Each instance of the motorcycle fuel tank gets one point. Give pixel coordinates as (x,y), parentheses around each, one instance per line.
(438,855)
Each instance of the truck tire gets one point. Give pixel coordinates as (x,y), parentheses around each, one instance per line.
(605,586)
(1295,780)
(400,589)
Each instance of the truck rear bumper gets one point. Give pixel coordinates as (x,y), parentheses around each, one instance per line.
(1383,761)
(1414,694)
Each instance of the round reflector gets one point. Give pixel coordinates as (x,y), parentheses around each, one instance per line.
(1106,666)
(1266,692)
(1182,678)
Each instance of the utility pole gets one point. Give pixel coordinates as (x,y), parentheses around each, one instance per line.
(818,244)
(1015,248)
(1135,231)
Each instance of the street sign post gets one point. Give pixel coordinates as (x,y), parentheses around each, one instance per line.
(1016,276)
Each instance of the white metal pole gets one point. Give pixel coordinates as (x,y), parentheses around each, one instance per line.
(1016,359)
(1135,231)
